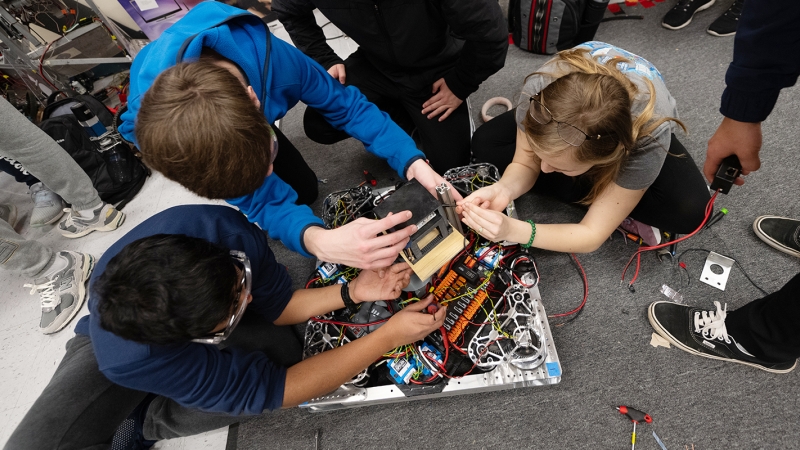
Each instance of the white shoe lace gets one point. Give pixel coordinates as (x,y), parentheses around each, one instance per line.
(68,222)
(711,324)
(47,294)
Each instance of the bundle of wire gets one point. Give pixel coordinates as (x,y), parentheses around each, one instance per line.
(638,255)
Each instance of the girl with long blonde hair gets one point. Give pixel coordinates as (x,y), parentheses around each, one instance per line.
(594,125)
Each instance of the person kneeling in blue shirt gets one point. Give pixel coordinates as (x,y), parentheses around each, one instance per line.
(187,333)
(202,98)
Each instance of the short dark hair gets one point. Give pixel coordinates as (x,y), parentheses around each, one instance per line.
(166,289)
(198,127)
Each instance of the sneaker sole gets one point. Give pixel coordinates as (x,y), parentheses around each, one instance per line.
(108,227)
(86,270)
(706,6)
(714,33)
(768,240)
(51,221)
(663,333)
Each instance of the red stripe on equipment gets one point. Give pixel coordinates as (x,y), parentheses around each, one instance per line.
(631,2)
(510,39)
(647,3)
(614,8)
(546,27)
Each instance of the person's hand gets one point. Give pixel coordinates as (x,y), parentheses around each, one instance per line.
(337,71)
(443,102)
(360,243)
(494,197)
(493,225)
(742,139)
(413,323)
(369,286)
(429,179)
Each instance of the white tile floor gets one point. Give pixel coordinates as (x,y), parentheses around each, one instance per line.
(27,357)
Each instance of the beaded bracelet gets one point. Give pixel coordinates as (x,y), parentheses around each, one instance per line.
(533,234)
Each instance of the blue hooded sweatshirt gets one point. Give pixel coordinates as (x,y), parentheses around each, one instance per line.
(229,380)
(280,82)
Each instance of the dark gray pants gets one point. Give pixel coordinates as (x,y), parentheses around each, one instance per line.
(81,409)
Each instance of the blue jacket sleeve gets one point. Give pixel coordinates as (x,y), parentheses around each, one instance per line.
(231,381)
(347,109)
(272,207)
(764,59)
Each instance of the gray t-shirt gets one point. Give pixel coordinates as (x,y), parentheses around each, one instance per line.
(644,163)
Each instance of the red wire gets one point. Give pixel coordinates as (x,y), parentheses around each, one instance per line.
(638,254)
(41,60)
(585,290)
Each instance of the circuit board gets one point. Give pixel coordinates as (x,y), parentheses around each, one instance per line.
(495,336)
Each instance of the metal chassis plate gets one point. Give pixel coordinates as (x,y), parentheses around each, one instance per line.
(503,377)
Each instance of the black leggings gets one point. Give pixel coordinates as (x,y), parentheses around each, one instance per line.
(293,169)
(675,202)
(445,144)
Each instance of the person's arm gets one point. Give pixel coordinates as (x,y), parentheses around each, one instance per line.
(348,110)
(272,207)
(367,287)
(482,210)
(484,29)
(324,372)
(759,70)
(518,178)
(609,210)
(297,17)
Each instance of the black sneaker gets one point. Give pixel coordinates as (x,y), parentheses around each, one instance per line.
(726,24)
(130,434)
(681,14)
(702,332)
(780,233)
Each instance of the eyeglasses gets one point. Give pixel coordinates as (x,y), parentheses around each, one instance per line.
(274,151)
(569,133)
(242,293)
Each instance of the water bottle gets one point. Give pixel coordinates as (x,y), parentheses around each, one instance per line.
(117,164)
(88,120)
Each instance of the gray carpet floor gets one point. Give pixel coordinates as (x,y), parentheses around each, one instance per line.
(605,354)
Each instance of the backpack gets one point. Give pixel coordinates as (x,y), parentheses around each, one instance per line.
(61,107)
(117,183)
(548,26)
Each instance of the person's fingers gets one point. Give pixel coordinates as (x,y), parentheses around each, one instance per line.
(440,315)
(342,75)
(433,103)
(420,305)
(400,268)
(437,111)
(386,256)
(375,227)
(392,239)
(446,114)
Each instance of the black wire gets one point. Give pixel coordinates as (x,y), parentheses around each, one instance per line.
(735,261)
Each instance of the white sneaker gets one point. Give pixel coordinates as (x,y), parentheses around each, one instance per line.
(62,290)
(105,218)
(48,207)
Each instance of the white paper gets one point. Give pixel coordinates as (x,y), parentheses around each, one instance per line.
(145,5)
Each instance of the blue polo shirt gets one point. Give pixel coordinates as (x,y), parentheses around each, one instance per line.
(200,376)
